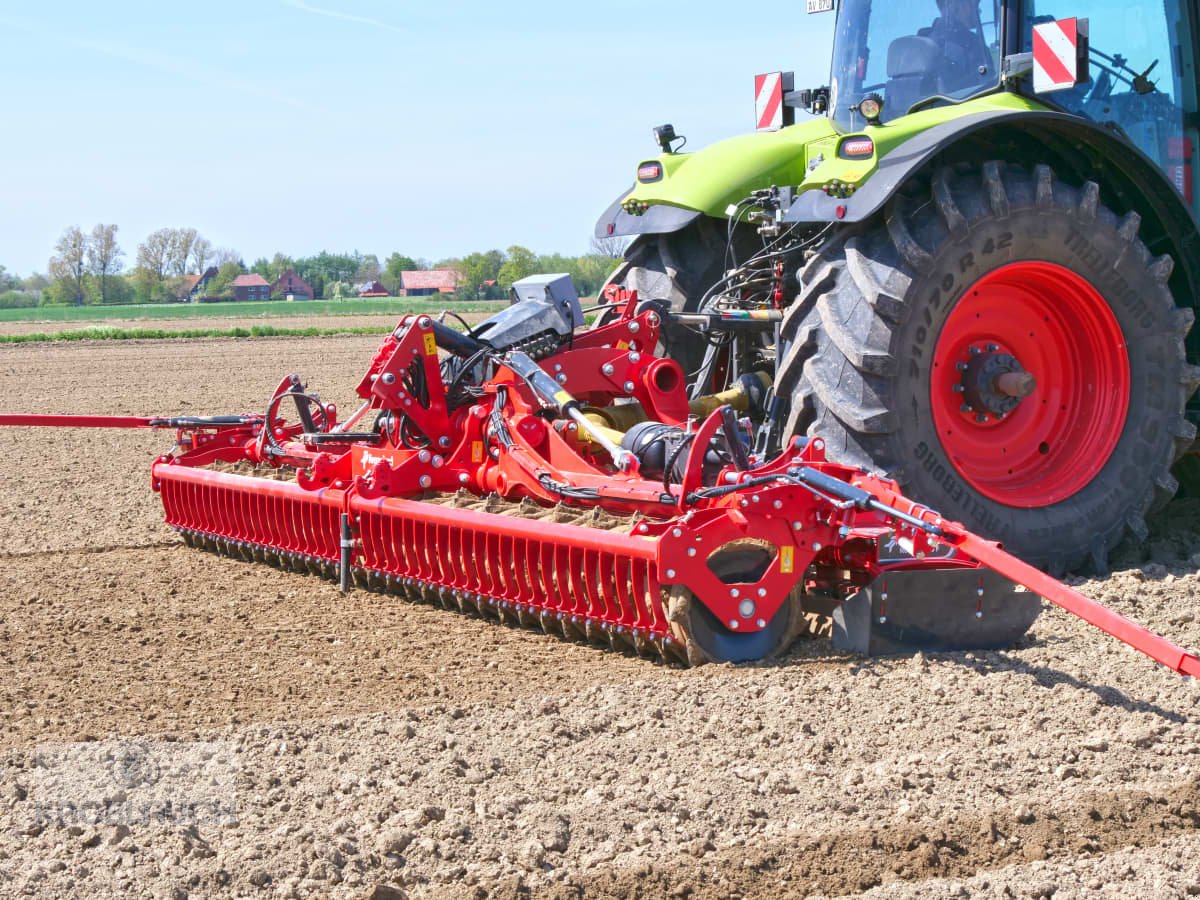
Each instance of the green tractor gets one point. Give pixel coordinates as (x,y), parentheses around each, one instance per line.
(975,270)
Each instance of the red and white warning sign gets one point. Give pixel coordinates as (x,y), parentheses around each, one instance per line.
(1058,64)
(768,101)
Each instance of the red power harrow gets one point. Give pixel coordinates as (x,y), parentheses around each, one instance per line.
(534,473)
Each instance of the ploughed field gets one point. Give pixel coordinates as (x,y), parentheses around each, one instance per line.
(345,743)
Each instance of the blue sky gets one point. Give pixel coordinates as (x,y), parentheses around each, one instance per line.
(299,125)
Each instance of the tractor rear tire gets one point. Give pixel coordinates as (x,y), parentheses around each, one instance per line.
(893,351)
(676,269)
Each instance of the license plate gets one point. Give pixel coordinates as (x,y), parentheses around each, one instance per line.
(816,6)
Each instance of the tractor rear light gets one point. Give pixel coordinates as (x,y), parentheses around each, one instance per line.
(856,148)
(1179,148)
(650,172)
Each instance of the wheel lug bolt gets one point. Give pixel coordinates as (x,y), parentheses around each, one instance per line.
(966,407)
(981,418)
(992,348)
(958,388)
(962,366)
(975,351)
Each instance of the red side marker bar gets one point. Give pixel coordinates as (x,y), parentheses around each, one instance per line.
(79,421)
(1155,646)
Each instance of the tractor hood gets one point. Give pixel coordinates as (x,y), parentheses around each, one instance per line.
(672,189)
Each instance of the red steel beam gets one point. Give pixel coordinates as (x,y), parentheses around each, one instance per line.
(1155,646)
(78,421)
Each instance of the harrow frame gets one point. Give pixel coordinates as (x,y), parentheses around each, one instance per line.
(509,501)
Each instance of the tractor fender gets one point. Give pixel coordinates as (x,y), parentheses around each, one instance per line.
(615,222)
(1073,146)
(1086,149)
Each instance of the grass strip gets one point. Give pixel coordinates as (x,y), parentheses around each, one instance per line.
(110,333)
(394,307)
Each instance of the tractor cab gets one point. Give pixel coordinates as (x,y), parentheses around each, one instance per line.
(1137,73)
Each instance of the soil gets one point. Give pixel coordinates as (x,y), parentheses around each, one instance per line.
(379,748)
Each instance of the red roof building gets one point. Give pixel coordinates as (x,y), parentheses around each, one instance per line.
(290,286)
(424,282)
(374,289)
(251,287)
(193,286)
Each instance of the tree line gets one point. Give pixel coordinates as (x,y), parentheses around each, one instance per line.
(89,268)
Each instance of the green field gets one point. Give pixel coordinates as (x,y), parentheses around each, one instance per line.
(271,309)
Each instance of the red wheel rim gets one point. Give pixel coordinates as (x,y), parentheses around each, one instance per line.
(1058,328)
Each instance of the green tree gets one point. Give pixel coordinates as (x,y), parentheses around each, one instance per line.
(68,266)
(180,249)
(392,267)
(104,258)
(274,267)
(202,254)
(154,253)
(37,282)
(221,287)
(368,269)
(8,282)
(520,263)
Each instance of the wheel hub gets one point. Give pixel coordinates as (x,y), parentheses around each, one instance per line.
(993,383)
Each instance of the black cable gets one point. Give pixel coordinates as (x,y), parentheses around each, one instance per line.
(462,321)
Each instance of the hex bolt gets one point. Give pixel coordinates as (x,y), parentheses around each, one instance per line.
(778,504)
(443,442)
(762,592)
(733,592)
(424,456)
(676,532)
(691,551)
(796,526)
(561,377)
(746,609)
(652,319)
(558,367)
(423,322)
(731,477)
(389,378)
(733,623)
(629,386)
(607,368)
(634,356)
(816,545)
(634,327)
(761,623)
(670,573)
(426,481)
(437,462)
(463,477)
